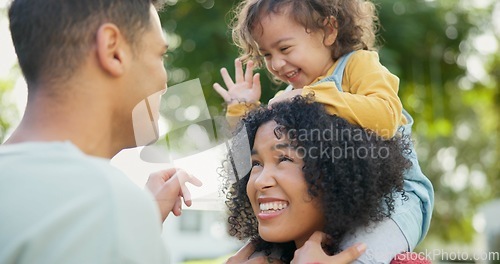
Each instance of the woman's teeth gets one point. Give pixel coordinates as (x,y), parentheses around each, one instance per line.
(274,206)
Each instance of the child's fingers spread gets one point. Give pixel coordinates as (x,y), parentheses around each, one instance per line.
(222,92)
(225,76)
(238,67)
(249,71)
(256,81)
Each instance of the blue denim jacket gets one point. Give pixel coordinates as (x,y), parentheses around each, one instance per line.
(413,216)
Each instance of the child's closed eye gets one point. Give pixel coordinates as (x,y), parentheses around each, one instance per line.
(266,55)
(283,49)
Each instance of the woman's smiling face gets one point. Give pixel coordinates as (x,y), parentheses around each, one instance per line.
(278,191)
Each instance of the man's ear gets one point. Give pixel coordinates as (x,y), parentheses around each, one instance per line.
(111,49)
(330,30)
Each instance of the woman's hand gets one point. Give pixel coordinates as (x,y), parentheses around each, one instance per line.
(312,252)
(284,96)
(243,257)
(245,89)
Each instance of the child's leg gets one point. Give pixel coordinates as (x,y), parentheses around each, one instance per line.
(413,216)
(401,233)
(384,240)
(409,216)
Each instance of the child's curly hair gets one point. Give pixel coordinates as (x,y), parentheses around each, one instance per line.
(354,189)
(356,22)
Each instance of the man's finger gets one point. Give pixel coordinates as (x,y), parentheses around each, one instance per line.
(177,209)
(195,181)
(183,177)
(186,195)
(165,175)
(350,254)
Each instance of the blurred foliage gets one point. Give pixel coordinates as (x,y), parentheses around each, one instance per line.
(200,44)
(8,113)
(446,55)
(433,47)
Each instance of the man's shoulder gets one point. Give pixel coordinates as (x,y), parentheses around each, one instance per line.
(50,158)
(62,168)
(54,193)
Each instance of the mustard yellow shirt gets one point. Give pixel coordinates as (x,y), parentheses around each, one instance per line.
(369,98)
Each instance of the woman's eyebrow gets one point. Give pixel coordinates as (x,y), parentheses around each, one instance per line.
(283,146)
(275,147)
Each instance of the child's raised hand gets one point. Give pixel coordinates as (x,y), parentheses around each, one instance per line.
(245,89)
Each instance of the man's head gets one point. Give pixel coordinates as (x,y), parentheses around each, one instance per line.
(82,57)
(53,37)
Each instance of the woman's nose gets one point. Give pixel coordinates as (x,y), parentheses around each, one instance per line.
(265,179)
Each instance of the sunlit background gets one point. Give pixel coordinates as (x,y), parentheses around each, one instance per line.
(446,54)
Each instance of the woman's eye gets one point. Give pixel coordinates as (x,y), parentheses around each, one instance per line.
(284,48)
(256,163)
(285,158)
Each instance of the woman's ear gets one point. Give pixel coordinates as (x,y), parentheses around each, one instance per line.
(330,30)
(110,49)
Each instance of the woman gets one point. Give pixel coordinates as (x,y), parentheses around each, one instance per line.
(310,172)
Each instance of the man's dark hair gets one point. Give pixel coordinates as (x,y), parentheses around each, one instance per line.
(51,37)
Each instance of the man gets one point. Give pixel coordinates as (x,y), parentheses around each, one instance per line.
(95,71)
(88,64)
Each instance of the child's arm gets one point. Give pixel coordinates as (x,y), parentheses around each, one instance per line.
(243,93)
(370,98)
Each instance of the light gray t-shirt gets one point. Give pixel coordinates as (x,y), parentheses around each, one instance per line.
(58,205)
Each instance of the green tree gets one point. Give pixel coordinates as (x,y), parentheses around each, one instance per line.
(201,45)
(432,47)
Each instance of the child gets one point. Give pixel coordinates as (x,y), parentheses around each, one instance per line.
(301,183)
(309,44)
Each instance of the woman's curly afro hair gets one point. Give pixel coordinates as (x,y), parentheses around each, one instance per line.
(357,179)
